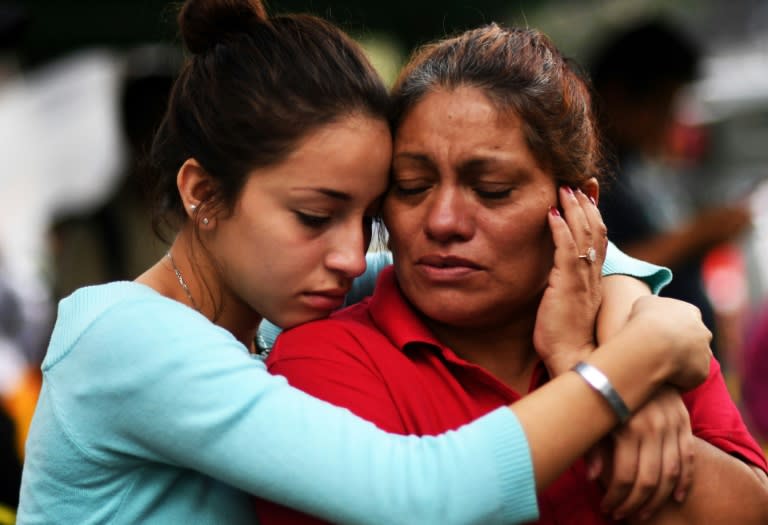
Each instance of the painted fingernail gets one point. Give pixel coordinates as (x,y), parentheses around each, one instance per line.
(680,496)
(592,200)
(554,211)
(569,190)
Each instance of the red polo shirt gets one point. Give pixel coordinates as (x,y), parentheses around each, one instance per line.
(379,360)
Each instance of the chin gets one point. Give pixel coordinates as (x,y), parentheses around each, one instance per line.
(296,320)
(459,317)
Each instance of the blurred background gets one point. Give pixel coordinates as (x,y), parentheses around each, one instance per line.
(83,83)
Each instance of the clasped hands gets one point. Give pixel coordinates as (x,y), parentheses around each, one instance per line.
(650,459)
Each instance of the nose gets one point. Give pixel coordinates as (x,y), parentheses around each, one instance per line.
(449,216)
(346,254)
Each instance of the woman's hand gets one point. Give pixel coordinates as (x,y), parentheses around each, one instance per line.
(647,460)
(565,322)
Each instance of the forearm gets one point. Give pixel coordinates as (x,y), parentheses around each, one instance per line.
(725,490)
(619,294)
(560,432)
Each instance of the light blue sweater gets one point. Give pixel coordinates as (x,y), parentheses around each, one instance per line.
(151,414)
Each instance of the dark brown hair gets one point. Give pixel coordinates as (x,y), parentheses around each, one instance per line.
(520,71)
(251,89)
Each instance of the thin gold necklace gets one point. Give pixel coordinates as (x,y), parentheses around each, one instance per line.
(181,280)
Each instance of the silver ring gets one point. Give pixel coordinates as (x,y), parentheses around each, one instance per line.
(590,256)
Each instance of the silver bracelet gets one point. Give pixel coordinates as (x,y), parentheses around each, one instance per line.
(598,380)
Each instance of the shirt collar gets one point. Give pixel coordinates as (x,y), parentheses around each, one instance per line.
(401,324)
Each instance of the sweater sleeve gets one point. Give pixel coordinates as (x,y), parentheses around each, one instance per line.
(174,388)
(618,262)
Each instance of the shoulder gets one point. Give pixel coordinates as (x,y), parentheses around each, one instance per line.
(349,331)
(715,418)
(127,326)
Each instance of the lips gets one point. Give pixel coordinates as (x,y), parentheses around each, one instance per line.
(326,299)
(447,261)
(446,269)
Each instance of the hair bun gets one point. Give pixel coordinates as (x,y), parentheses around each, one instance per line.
(204,23)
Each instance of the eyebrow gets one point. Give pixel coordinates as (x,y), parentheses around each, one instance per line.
(334,194)
(472,165)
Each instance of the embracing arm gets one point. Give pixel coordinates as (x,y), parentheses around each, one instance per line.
(722,488)
(725,490)
(633,353)
(729,480)
(205,405)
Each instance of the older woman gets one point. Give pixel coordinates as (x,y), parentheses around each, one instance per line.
(490,126)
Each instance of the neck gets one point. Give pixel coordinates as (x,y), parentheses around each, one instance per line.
(187,276)
(506,351)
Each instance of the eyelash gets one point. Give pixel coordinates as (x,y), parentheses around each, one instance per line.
(500,194)
(405,192)
(312,221)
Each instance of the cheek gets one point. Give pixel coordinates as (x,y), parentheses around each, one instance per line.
(523,243)
(396,224)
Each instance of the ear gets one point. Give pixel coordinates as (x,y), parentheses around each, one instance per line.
(195,187)
(592,189)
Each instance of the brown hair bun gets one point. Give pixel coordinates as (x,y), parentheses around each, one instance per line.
(205,23)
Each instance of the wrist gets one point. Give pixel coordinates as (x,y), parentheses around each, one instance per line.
(636,365)
(602,385)
(561,362)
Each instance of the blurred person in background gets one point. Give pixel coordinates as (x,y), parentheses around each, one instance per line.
(638,74)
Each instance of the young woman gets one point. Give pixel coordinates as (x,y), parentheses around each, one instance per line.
(271,161)
(488,126)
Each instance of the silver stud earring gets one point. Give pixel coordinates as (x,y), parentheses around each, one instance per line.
(205,221)
(193,208)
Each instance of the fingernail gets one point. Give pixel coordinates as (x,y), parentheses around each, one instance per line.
(680,496)
(592,200)
(569,190)
(554,211)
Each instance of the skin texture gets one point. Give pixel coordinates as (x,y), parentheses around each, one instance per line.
(314,207)
(464,186)
(468,219)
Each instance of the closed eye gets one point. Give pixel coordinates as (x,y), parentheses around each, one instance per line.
(312,221)
(410,188)
(493,194)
